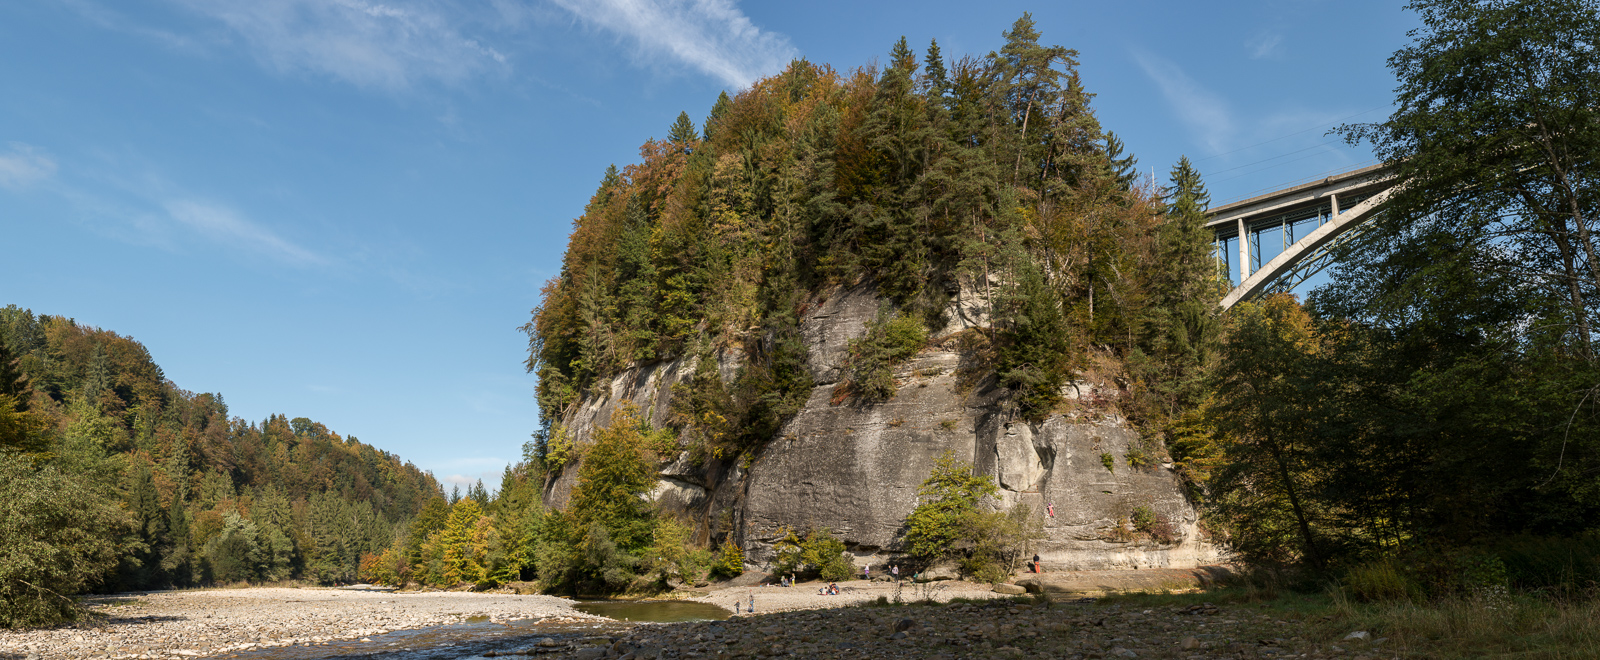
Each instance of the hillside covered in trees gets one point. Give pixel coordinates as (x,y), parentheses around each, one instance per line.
(115,478)
(983,186)
(925,177)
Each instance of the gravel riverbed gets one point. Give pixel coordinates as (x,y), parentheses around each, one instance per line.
(789,622)
(210,622)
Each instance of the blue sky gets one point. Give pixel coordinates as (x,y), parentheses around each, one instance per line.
(344,209)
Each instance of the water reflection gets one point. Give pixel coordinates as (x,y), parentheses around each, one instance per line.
(653,611)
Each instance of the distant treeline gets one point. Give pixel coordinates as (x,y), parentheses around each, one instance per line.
(173,491)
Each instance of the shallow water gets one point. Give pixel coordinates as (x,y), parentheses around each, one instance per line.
(654,611)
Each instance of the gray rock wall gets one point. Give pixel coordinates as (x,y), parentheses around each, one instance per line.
(855,468)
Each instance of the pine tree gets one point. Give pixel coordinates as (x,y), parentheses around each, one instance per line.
(683,134)
(718,110)
(1124,168)
(1181,326)
(936,82)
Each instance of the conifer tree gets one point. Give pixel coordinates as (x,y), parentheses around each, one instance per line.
(464,549)
(683,134)
(1124,168)
(720,108)
(936,81)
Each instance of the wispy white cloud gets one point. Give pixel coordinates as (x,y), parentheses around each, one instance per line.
(1203,111)
(226,226)
(22,166)
(111,19)
(1266,45)
(389,45)
(467,471)
(712,36)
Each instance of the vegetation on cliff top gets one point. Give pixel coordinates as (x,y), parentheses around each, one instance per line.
(984,175)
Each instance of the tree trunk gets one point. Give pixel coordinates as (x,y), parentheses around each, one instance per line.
(1558,235)
(1294,502)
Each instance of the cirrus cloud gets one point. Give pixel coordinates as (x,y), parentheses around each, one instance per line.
(22,166)
(712,36)
(388,45)
(225,226)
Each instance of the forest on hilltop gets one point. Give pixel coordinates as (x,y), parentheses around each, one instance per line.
(114,478)
(924,178)
(986,177)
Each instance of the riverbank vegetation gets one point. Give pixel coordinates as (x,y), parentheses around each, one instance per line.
(1425,426)
(114,478)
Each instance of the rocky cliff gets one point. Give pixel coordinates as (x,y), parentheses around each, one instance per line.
(855,468)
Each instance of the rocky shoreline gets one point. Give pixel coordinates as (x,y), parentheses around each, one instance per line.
(998,628)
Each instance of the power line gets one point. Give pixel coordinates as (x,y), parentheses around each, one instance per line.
(1282,155)
(1290,135)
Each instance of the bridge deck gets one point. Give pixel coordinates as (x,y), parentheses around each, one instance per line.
(1306,219)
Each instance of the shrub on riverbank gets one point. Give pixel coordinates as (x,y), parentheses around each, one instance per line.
(59,536)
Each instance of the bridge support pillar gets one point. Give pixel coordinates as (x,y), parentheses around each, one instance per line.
(1244,253)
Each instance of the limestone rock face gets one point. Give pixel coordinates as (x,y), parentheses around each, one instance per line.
(855,468)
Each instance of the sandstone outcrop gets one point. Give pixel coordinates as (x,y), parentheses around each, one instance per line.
(855,468)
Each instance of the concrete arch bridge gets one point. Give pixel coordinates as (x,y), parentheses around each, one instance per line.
(1273,242)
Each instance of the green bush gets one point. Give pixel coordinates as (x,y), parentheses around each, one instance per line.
(819,553)
(1109,461)
(870,359)
(826,553)
(947,496)
(1143,518)
(58,536)
(730,560)
(996,541)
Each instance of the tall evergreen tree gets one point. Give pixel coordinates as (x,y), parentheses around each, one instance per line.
(936,79)
(683,134)
(718,110)
(1124,168)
